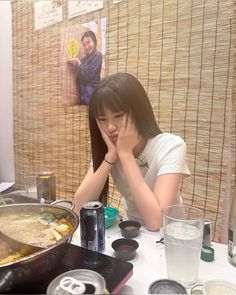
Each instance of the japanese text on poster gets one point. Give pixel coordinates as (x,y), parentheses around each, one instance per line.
(76,8)
(47,13)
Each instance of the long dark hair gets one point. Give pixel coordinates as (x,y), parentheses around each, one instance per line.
(119,92)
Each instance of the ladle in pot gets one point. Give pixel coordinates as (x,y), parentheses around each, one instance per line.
(23,248)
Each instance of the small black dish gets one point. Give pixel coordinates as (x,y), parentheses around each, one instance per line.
(129,228)
(125,249)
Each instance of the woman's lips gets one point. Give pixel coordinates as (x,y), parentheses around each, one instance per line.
(113,137)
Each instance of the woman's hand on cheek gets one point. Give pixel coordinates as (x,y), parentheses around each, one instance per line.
(112,153)
(128,136)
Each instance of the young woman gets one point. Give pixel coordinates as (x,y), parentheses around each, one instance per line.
(146,164)
(89,68)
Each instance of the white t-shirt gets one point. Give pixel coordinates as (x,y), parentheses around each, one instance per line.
(162,154)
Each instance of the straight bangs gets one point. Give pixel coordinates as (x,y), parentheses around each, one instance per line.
(106,98)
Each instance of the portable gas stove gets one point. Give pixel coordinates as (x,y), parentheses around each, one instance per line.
(115,272)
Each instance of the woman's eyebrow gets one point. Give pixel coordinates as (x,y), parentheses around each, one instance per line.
(119,112)
(100,115)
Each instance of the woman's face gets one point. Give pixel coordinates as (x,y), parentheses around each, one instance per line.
(110,122)
(88,45)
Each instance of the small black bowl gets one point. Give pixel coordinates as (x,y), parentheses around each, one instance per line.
(129,228)
(125,249)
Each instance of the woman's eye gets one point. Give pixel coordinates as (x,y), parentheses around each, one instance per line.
(101,119)
(119,115)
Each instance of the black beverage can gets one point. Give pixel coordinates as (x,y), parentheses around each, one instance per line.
(92,226)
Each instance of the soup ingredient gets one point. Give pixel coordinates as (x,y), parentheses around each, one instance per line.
(5,250)
(34,229)
(9,253)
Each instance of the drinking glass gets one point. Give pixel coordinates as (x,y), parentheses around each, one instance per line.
(30,182)
(183,232)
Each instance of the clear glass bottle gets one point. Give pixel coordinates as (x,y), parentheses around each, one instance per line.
(232,232)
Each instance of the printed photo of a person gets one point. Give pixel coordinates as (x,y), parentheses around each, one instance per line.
(88,68)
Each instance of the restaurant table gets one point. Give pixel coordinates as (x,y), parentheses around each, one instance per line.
(149,263)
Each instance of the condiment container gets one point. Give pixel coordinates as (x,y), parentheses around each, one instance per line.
(129,228)
(125,249)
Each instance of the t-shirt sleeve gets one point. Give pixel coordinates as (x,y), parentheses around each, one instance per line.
(172,158)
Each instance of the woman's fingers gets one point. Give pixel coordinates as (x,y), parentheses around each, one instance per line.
(128,135)
(105,137)
(123,124)
(127,125)
(130,124)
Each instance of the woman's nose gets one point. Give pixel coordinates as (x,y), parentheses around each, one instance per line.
(111,127)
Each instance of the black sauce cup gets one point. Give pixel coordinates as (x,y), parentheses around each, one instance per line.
(125,249)
(129,228)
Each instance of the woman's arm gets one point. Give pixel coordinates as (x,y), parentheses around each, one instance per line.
(148,202)
(92,185)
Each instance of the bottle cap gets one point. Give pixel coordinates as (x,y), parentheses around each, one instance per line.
(166,286)
(207,253)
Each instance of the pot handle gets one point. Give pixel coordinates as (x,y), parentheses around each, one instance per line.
(6,279)
(64,203)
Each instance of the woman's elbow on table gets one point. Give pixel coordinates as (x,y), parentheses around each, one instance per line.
(77,203)
(153,226)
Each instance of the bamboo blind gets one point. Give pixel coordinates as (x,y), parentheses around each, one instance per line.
(182,53)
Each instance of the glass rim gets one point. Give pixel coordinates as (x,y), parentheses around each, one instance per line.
(201,217)
(33,174)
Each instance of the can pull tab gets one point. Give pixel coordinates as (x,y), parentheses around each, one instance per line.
(72,285)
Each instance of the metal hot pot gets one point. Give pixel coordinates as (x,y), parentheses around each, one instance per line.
(26,268)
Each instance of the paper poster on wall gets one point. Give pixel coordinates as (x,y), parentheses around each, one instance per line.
(76,8)
(103,35)
(82,61)
(47,13)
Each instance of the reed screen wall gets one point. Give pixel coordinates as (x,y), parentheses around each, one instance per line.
(181,51)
